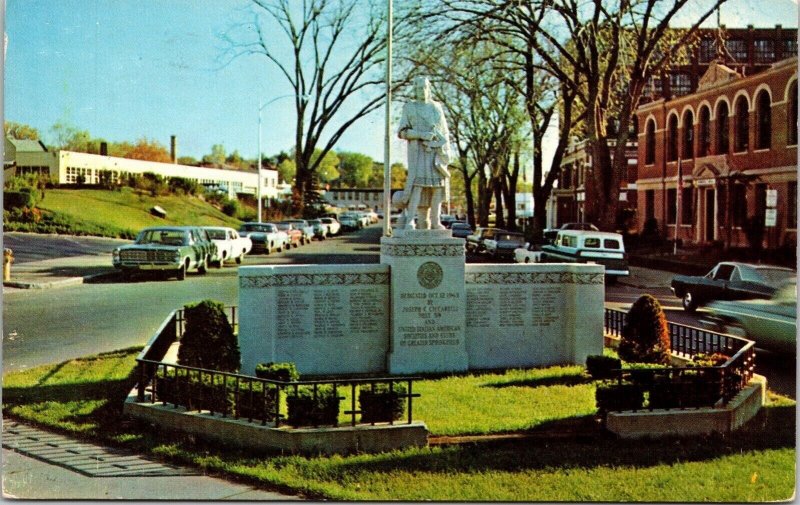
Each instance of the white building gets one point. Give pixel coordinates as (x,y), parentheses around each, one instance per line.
(67,167)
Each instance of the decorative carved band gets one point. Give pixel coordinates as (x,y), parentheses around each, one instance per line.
(533,278)
(422,249)
(288,280)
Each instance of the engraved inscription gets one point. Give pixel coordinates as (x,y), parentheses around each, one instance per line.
(328,311)
(366,309)
(291,306)
(431,319)
(480,307)
(545,307)
(511,310)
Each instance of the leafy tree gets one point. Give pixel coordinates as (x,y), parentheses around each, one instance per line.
(70,138)
(20,131)
(149,150)
(188,161)
(286,170)
(333,53)
(217,156)
(356,170)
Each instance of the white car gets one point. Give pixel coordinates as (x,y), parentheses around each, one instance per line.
(266,237)
(230,245)
(527,254)
(584,246)
(333,225)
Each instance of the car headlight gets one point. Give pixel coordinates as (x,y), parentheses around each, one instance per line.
(176,257)
(115,255)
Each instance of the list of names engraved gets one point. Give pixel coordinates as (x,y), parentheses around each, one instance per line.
(292,305)
(367,310)
(328,314)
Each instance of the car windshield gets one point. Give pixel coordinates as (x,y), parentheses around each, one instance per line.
(315,221)
(163,237)
(253,227)
(770,276)
(284,226)
(214,234)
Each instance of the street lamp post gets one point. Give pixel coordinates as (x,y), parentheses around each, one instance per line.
(387,147)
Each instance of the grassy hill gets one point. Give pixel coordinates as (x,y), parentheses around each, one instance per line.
(123,213)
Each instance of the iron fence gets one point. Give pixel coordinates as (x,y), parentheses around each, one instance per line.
(689,387)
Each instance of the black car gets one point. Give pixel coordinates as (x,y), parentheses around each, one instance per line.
(730,281)
(461,229)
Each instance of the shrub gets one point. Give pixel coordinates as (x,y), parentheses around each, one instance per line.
(601,367)
(208,341)
(612,396)
(181,185)
(24,197)
(306,410)
(379,405)
(703,359)
(286,372)
(195,391)
(231,207)
(644,373)
(645,336)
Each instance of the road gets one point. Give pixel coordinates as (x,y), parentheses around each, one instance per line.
(46,326)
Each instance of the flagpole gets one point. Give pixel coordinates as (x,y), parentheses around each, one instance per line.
(387,147)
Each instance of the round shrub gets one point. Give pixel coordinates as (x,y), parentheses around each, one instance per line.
(307,409)
(602,367)
(286,372)
(208,341)
(645,336)
(379,405)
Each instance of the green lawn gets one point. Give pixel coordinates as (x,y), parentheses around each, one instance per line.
(757,463)
(125,212)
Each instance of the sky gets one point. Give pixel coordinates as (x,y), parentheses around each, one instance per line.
(126,69)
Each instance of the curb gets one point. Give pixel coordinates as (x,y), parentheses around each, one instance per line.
(67,281)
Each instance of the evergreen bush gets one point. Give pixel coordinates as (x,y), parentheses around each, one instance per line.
(613,397)
(306,410)
(285,372)
(645,336)
(602,367)
(208,341)
(379,405)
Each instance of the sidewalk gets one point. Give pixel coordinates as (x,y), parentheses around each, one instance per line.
(39,464)
(58,272)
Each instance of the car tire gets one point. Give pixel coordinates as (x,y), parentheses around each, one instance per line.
(239,259)
(689,302)
(202,268)
(181,273)
(527,259)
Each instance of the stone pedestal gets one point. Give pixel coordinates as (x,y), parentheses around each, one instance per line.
(427,301)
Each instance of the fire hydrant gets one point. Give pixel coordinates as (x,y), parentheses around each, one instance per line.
(8,258)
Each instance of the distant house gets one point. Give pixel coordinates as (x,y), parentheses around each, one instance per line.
(23,155)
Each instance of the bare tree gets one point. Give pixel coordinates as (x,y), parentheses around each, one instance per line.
(335,68)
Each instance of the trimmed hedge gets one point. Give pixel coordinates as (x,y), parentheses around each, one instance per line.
(379,405)
(645,336)
(306,410)
(611,397)
(286,372)
(602,367)
(208,341)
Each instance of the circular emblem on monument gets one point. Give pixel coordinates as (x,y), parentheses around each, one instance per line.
(430,275)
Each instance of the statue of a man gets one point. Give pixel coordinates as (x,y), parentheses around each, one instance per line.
(424,126)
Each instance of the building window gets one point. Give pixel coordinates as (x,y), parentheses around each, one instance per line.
(650,143)
(680,84)
(687,205)
(791,205)
(789,48)
(704,144)
(764,118)
(723,128)
(737,48)
(688,135)
(764,51)
(792,115)
(656,87)
(708,50)
(671,205)
(649,204)
(672,144)
(742,134)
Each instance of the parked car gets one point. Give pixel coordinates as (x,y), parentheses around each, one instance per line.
(581,246)
(349,221)
(475,241)
(502,244)
(461,230)
(447,220)
(373,216)
(320,228)
(771,323)
(265,237)
(363,218)
(550,233)
(303,226)
(729,281)
(230,245)
(334,227)
(527,254)
(294,233)
(172,250)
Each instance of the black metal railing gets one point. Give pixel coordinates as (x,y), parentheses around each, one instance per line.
(694,386)
(253,398)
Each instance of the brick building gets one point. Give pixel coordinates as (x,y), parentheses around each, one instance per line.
(735,142)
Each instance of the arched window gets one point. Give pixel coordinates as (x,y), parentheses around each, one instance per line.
(704,140)
(792,115)
(764,112)
(742,134)
(688,135)
(650,143)
(672,144)
(723,128)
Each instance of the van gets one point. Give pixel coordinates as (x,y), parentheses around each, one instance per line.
(589,246)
